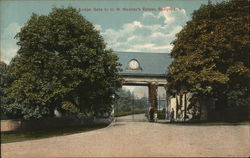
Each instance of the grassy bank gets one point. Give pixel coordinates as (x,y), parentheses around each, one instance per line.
(16,136)
(124,113)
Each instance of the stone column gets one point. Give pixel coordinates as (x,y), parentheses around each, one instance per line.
(168,107)
(152,93)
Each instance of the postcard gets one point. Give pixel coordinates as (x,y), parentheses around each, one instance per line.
(124,78)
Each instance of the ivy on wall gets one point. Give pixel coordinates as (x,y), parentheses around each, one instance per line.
(153,96)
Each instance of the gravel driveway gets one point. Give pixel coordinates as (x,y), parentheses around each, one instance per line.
(139,139)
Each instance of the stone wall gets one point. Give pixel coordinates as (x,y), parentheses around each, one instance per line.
(179,111)
(178,102)
(10,125)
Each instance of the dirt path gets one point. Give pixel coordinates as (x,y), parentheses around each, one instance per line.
(138,139)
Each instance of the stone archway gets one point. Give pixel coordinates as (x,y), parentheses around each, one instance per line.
(145,69)
(152,83)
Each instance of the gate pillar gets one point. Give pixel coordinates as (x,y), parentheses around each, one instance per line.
(152,93)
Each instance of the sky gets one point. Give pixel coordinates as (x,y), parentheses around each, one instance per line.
(126,25)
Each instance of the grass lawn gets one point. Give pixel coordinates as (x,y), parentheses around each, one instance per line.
(16,136)
(125,113)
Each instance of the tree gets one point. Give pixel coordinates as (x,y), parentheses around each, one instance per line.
(127,102)
(9,109)
(3,85)
(211,55)
(62,63)
(3,78)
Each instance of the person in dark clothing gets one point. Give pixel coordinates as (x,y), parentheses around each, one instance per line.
(151,114)
(172,115)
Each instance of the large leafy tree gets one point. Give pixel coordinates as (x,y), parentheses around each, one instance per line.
(211,55)
(3,85)
(62,63)
(9,108)
(3,81)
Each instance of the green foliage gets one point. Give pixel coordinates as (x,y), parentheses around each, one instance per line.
(127,103)
(3,85)
(211,54)
(68,106)
(153,96)
(62,59)
(9,109)
(125,113)
(3,81)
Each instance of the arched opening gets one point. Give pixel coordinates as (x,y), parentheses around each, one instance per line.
(146,70)
(132,103)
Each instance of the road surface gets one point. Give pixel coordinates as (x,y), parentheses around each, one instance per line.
(139,139)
